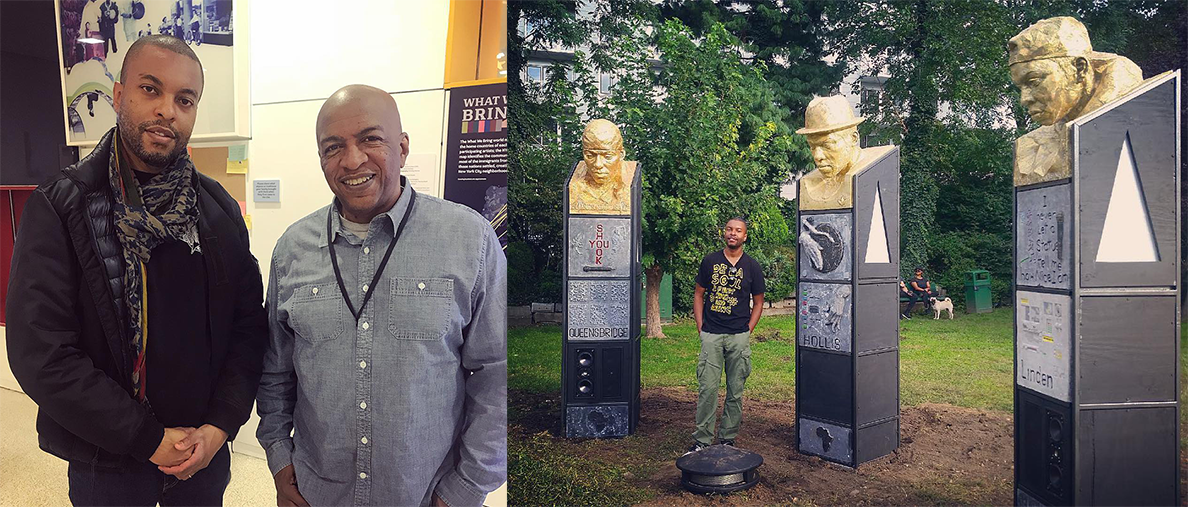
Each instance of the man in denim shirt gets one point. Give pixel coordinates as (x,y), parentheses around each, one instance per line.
(396,392)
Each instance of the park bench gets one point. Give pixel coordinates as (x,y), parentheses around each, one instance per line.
(547,312)
(904,299)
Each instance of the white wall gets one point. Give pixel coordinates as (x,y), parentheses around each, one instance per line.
(306,49)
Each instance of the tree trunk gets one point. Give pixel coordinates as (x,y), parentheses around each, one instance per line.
(654,276)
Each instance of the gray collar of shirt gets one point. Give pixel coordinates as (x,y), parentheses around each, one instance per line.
(386,221)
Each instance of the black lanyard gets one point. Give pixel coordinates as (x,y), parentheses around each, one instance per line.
(412,198)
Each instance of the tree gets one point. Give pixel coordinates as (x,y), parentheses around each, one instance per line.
(537,163)
(696,113)
(947,66)
(698,174)
(786,37)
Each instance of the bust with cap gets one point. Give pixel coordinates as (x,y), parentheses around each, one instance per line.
(832,132)
(1060,78)
(600,182)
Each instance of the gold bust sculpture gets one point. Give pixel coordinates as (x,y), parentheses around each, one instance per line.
(1060,78)
(601,183)
(832,132)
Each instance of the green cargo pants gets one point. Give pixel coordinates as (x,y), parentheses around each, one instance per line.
(732,351)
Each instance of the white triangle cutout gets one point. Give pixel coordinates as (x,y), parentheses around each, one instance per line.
(876,243)
(1127,235)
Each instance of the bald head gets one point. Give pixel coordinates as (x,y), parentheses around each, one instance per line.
(357,99)
(362,147)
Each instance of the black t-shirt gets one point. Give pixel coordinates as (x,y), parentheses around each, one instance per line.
(728,292)
(921,282)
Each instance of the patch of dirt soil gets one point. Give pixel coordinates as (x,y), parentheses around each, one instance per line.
(947,455)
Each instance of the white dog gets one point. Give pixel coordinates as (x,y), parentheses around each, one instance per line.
(940,305)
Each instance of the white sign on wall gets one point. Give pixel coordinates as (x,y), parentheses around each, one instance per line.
(266,190)
(1044,326)
(421,171)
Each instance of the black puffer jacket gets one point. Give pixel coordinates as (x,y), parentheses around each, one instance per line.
(66,321)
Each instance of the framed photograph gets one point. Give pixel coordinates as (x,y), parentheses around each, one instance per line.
(93,36)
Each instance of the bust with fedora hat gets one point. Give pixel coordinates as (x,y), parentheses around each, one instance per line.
(832,132)
(1060,78)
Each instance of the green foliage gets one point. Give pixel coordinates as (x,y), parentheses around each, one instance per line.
(707,105)
(700,169)
(948,100)
(698,116)
(960,251)
(785,37)
(779,271)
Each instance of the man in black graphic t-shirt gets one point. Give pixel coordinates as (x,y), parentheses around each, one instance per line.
(728,282)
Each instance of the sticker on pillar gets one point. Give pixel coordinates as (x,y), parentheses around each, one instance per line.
(826,316)
(876,239)
(1127,235)
(599,246)
(829,441)
(1043,238)
(599,309)
(1042,345)
(825,249)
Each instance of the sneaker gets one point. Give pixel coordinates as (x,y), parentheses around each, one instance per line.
(904,316)
(697,446)
(729,442)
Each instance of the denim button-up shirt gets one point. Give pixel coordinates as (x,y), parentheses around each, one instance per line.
(412,398)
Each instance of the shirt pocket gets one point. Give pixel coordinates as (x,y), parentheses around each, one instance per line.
(317,313)
(419,308)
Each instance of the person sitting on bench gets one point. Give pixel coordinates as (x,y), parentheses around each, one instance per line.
(921,290)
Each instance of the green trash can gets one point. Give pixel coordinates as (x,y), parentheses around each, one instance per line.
(977,291)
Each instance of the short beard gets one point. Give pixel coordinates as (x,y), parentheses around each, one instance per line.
(134,139)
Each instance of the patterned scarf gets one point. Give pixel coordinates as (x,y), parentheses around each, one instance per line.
(165,208)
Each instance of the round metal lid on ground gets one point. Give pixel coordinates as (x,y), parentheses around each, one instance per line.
(719,469)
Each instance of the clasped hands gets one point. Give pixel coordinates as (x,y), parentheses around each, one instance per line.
(184,451)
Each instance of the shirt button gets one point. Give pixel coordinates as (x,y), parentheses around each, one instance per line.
(363,405)
(363,440)
(362,475)
(362,364)
(364,287)
(366,326)
(421,285)
(366,249)
(315,290)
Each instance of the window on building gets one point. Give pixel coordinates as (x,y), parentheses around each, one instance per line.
(605,82)
(536,75)
(870,98)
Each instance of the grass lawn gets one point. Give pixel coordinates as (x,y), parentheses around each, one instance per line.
(966,362)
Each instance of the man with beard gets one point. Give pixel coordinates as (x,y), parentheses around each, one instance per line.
(134,310)
(385,381)
(732,282)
